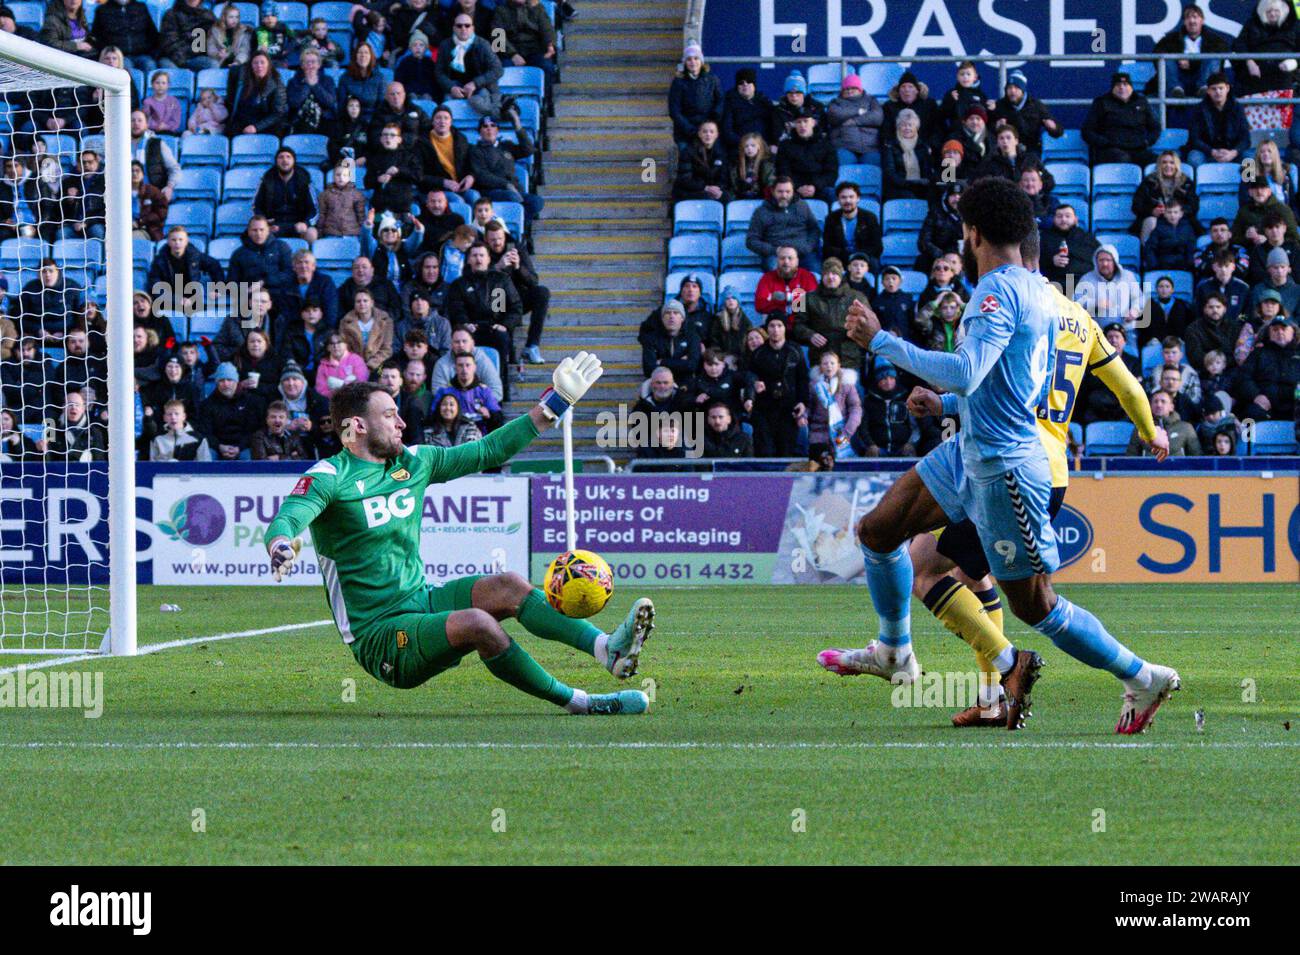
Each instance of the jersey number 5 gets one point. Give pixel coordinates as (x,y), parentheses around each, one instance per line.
(1061,383)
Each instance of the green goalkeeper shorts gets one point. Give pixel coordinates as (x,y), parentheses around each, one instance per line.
(410,646)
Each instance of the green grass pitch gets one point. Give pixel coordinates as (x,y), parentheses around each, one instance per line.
(751,754)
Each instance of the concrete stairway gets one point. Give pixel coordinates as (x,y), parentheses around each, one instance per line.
(601,242)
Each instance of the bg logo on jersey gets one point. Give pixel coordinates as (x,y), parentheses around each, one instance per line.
(380,509)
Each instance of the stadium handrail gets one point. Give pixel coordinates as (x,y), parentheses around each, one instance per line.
(1094,466)
(1007,62)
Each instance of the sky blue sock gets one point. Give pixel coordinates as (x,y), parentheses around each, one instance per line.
(889,577)
(1082,636)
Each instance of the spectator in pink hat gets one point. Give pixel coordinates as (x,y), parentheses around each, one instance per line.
(854,119)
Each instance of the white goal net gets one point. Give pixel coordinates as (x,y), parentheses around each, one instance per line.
(67,402)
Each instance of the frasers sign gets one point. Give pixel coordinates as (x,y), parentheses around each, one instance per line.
(210,529)
(858,28)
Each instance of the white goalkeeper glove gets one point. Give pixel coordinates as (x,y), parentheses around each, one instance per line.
(283,553)
(572,378)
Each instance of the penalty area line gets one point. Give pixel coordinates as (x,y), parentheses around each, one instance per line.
(168,645)
(630,745)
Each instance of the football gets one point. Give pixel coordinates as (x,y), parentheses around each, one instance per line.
(579,583)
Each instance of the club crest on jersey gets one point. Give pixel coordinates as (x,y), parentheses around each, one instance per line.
(401,474)
(990,304)
(303,485)
(402,639)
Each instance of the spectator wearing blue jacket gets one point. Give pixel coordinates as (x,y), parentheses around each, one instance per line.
(696,95)
(1218,130)
(1172,243)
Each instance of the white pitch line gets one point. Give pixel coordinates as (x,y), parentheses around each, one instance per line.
(633,745)
(169,645)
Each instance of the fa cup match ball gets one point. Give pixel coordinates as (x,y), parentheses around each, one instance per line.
(578,583)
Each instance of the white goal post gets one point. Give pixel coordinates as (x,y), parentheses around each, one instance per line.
(36,70)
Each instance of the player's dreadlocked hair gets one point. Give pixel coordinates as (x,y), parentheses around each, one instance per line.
(999,209)
(351,401)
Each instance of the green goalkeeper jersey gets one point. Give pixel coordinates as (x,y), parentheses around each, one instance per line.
(365,520)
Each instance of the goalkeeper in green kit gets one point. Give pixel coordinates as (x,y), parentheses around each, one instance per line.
(363,506)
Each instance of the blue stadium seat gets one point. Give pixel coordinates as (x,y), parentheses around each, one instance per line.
(207,324)
(1184,283)
(695,251)
(1069,148)
(1115,179)
(879,78)
(739,212)
(1128,246)
(744,281)
(696,215)
(21,253)
(905,215)
(223,248)
(1112,214)
(868,205)
(316,177)
(1107,437)
(463,116)
(899,249)
(232,218)
(295,244)
(336,252)
(294,16)
(735,254)
(337,14)
(1083,212)
(1274,437)
(200,182)
(459,206)
(30,15)
(1076,433)
(204,151)
(914,282)
(241,182)
(819,209)
(99,292)
(196,216)
(142,252)
(1218,179)
(249,13)
(1072,179)
(213,78)
(253,149)
(708,284)
(530,115)
(1212,207)
(512,214)
(85,254)
(523,82)
(312,149)
(824,80)
(182,82)
(1140,72)
(867,177)
(1174,139)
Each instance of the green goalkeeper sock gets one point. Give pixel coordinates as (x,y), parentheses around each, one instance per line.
(541,619)
(521,671)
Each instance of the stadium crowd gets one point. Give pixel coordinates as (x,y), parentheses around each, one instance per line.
(1182,243)
(260,288)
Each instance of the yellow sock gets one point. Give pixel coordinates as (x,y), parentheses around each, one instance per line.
(960,611)
(993,604)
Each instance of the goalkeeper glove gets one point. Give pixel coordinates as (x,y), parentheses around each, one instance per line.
(572,378)
(283,553)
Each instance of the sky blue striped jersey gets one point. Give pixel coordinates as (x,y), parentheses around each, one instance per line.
(998,372)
